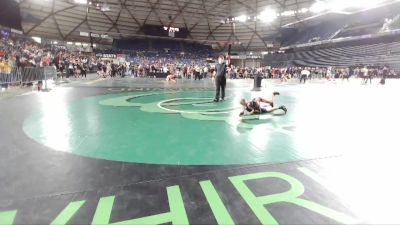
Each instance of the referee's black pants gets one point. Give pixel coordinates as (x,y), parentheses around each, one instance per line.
(220,84)
(197,76)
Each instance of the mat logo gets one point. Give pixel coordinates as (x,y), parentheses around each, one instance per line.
(196,108)
(177,213)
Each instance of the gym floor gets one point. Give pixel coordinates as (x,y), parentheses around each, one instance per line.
(144,151)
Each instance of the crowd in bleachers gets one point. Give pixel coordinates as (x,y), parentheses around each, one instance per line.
(142,63)
(323,63)
(191,63)
(22,52)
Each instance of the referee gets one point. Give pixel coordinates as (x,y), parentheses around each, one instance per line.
(220,79)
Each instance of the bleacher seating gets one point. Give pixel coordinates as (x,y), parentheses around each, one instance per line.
(333,26)
(131,44)
(160,45)
(174,47)
(322,31)
(368,54)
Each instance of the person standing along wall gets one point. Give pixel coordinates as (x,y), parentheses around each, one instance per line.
(304,74)
(205,72)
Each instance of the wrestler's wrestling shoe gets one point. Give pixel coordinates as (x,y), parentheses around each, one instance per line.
(283,108)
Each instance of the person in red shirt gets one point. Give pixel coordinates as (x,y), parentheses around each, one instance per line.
(46,60)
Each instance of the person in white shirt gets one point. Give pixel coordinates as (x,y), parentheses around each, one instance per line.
(197,73)
(205,72)
(365,74)
(304,74)
(329,73)
(246,74)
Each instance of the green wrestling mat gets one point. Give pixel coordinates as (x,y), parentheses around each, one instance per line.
(167,127)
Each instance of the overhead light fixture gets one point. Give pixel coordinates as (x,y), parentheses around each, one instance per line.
(84,34)
(303,10)
(318,7)
(84,2)
(242,18)
(37,39)
(288,13)
(268,15)
(105,7)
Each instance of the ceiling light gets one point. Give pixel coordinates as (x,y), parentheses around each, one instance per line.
(37,39)
(242,18)
(303,10)
(80,1)
(105,7)
(268,15)
(318,7)
(288,13)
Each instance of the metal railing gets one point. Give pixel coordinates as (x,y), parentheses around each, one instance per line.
(14,77)
(21,75)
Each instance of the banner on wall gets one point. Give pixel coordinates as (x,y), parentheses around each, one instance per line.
(107,56)
(238,57)
(254,57)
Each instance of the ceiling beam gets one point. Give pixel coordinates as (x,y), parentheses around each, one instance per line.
(48,16)
(130,13)
(201,19)
(180,11)
(250,42)
(153,10)
(73,30)
(148,15)
(208,22)
(113,23)
(55,20)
